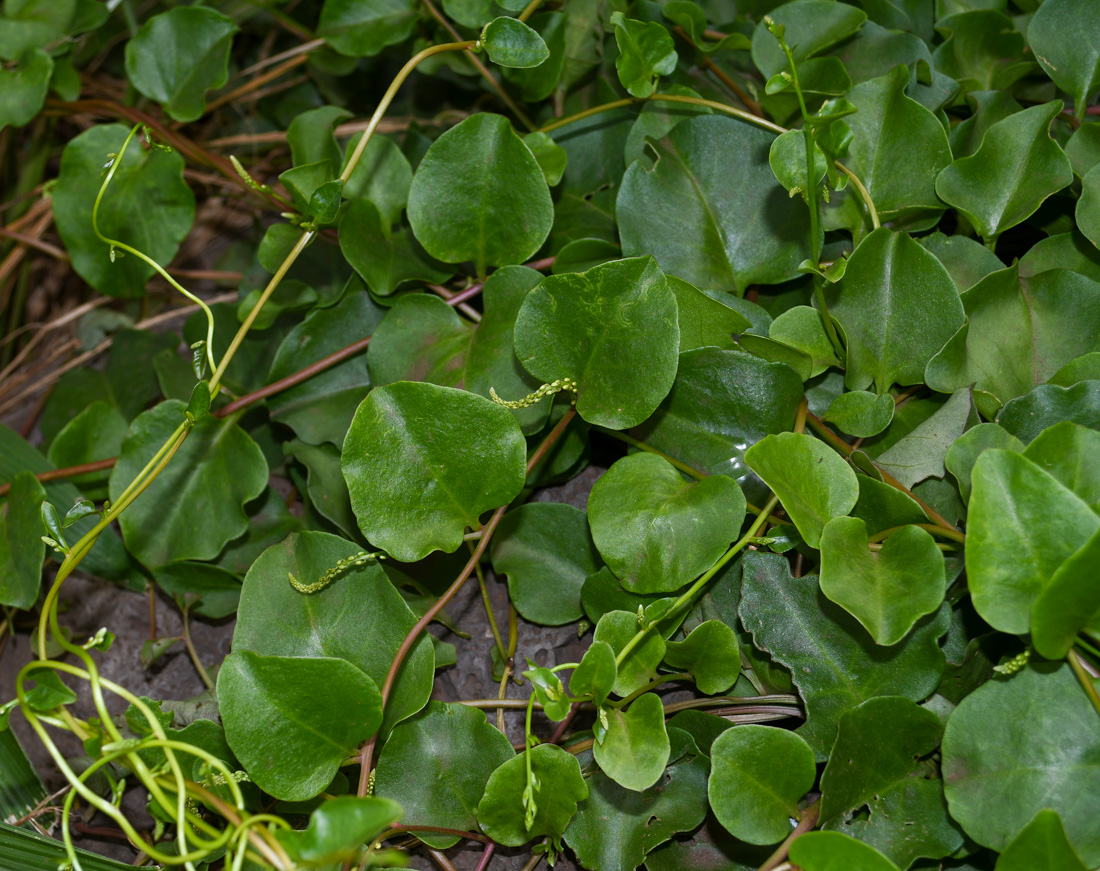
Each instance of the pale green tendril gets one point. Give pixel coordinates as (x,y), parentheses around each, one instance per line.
(359,559)
(117,248)
(531,398)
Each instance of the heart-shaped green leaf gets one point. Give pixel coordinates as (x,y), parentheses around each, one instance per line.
(634,747)
(292,720)
(646,52)
(860,413)
(358,617)
(178,56)
(657,531)
(810,478)
(424,462)
(479,194)
(1022,525)
(1006,180)
(1021,745)
(613,330)
(710,653)
(437,764)
(758,775)
(511,43)
(617,628)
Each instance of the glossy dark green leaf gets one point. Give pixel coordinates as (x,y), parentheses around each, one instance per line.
(220,591)
(23,89)
(423,462)
(292,720)
(178,56)
(545,550)
(1006,180)
(21,547)
(537,83)
(146,182)
(833,662)
(617,628)
(967,260)
(836,851)
(874,764)
(1022,524)
(981,49)
(898,149)
(646,52)
(887,591)
(424,339)
(1013,747)
(1070,453)
(384,259)
(616,828)
(325,485)
(362,28)
(1048,404)
(811,480)
(479,194)
(634,748)
(811,26)
(383,176)
(657,531)
(311,137)
(437,764)
(500,812)
(1074,64)
(603,329)
(721,403)
(359,617)
(965,450)
(511,43)
(758,776)
(898,306)
(710,653)
(339,827)
(596,673)
(1018,334)
(216,471)
(801,328)
(1041,845)
(703,319)
(921,453)
(860,413)
(710,209)
(882,507)
(1068,604)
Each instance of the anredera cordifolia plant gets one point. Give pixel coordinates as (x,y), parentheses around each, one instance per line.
(825,273)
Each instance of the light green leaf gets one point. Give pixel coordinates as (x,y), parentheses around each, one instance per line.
(1022,525)
(703,320)
(898,306)
(21,547)
(710,209)
(640,665)
(646,52)
(362,28)
(552,158)
(359,617)
(634,749)
(965,450)
(1070,453)
(292,720)
(416,460)
(1014,747)
(545,550)
(500,812)
(758,775)
(801,328)
(437,764)
(874,765)
(216,471)
(511,43)
(145,183)
(657,531)
(710,653)
(1048,404)
(339,827)
(1006,180)
(385,260)
(888,591)
(1069,603)
(613,330)
(860,413)
(1074,63)
(1041,846)
(178,56)
(23,89)
(479,194)
(835,851)
(967,260)
(596,673)
(811,480)
(833,663)
(537,83)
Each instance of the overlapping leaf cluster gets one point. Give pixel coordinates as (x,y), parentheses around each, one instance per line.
(830,271)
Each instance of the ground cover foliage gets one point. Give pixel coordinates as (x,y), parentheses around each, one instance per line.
(823,275)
